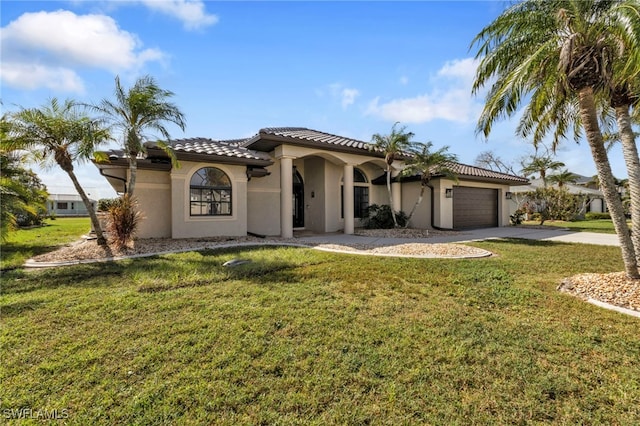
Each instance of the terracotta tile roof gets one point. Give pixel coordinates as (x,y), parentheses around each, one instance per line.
(228,148)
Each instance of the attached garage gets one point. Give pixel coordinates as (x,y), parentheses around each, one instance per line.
(474,207)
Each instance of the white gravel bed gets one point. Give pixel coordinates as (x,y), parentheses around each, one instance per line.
(614,288)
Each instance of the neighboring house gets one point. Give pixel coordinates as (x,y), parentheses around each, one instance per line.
(594,201)
(290,178)
(67,205)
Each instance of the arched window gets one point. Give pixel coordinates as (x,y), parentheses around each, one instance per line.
(210,193)
(360,193)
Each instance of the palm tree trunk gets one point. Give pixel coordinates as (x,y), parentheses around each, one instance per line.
(415,206)
(630,153)
(393,212)
(596,143)
(92,213)
(133,169)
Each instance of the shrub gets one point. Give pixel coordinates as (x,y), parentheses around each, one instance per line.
(597,216)
(104,204)
(554,204)
(123,219)
(379,217)
(517,217)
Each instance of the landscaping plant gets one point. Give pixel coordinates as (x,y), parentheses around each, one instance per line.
(124,219)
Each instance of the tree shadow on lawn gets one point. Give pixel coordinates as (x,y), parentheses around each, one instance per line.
(527,242)
(78,276)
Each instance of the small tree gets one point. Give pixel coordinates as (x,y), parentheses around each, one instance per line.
(394,145)
(60,133)
(540,165)
(426,164)
(135,112)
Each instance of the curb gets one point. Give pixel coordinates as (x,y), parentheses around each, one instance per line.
(619,309)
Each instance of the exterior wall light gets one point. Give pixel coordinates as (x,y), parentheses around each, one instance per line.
(508,195)
(448,193)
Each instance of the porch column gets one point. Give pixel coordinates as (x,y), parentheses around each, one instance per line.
(286,197)
(347,198)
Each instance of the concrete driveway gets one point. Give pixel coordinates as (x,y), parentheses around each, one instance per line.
(546,234)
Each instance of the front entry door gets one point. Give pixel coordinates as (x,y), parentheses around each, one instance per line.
(298,200)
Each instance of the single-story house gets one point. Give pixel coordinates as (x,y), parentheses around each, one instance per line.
(593,198)
(289,178)
(67,205)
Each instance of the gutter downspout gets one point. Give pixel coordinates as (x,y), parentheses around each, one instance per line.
(437,228)
(123,180)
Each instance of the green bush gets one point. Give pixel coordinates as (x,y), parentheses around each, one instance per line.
(104,204)
(379,217)
(554,204)
(597,216)
(517,217)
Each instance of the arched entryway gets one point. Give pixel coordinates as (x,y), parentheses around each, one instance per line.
(298,200)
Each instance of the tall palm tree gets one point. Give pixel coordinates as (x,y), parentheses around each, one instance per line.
(137,111)
(563,177)
(541,165)
(623,97)
(59,133)
(427,164)
(394,146)
(557,50)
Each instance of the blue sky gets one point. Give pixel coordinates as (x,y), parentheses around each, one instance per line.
(348,68)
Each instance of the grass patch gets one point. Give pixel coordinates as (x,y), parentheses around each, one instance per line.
(26,243)
(604,226)
(298,336)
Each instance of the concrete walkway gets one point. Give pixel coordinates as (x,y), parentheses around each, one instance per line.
(546,234)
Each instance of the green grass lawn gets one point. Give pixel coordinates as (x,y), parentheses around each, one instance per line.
(299,336)
(26,243)
(602,225)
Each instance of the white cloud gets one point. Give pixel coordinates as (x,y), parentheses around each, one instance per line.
(192,13)
(345,95)
(53,43)
(449,98)
(464,69)
(348,97)
(15,74)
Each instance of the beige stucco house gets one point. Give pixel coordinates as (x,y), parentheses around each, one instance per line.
(284,179)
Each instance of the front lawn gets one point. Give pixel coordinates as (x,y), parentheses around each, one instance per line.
(26,243)
(299,336)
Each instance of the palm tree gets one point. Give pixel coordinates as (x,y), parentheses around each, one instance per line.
(394,146)
(622,99)
(135,112)
(428,164)
(563,178)
(58,132)
(553,52)
(540,165)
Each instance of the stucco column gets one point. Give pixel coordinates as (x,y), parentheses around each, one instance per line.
(396,193)
(286,197)
(347,198)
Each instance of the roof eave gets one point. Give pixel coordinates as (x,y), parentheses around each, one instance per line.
(267,142)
